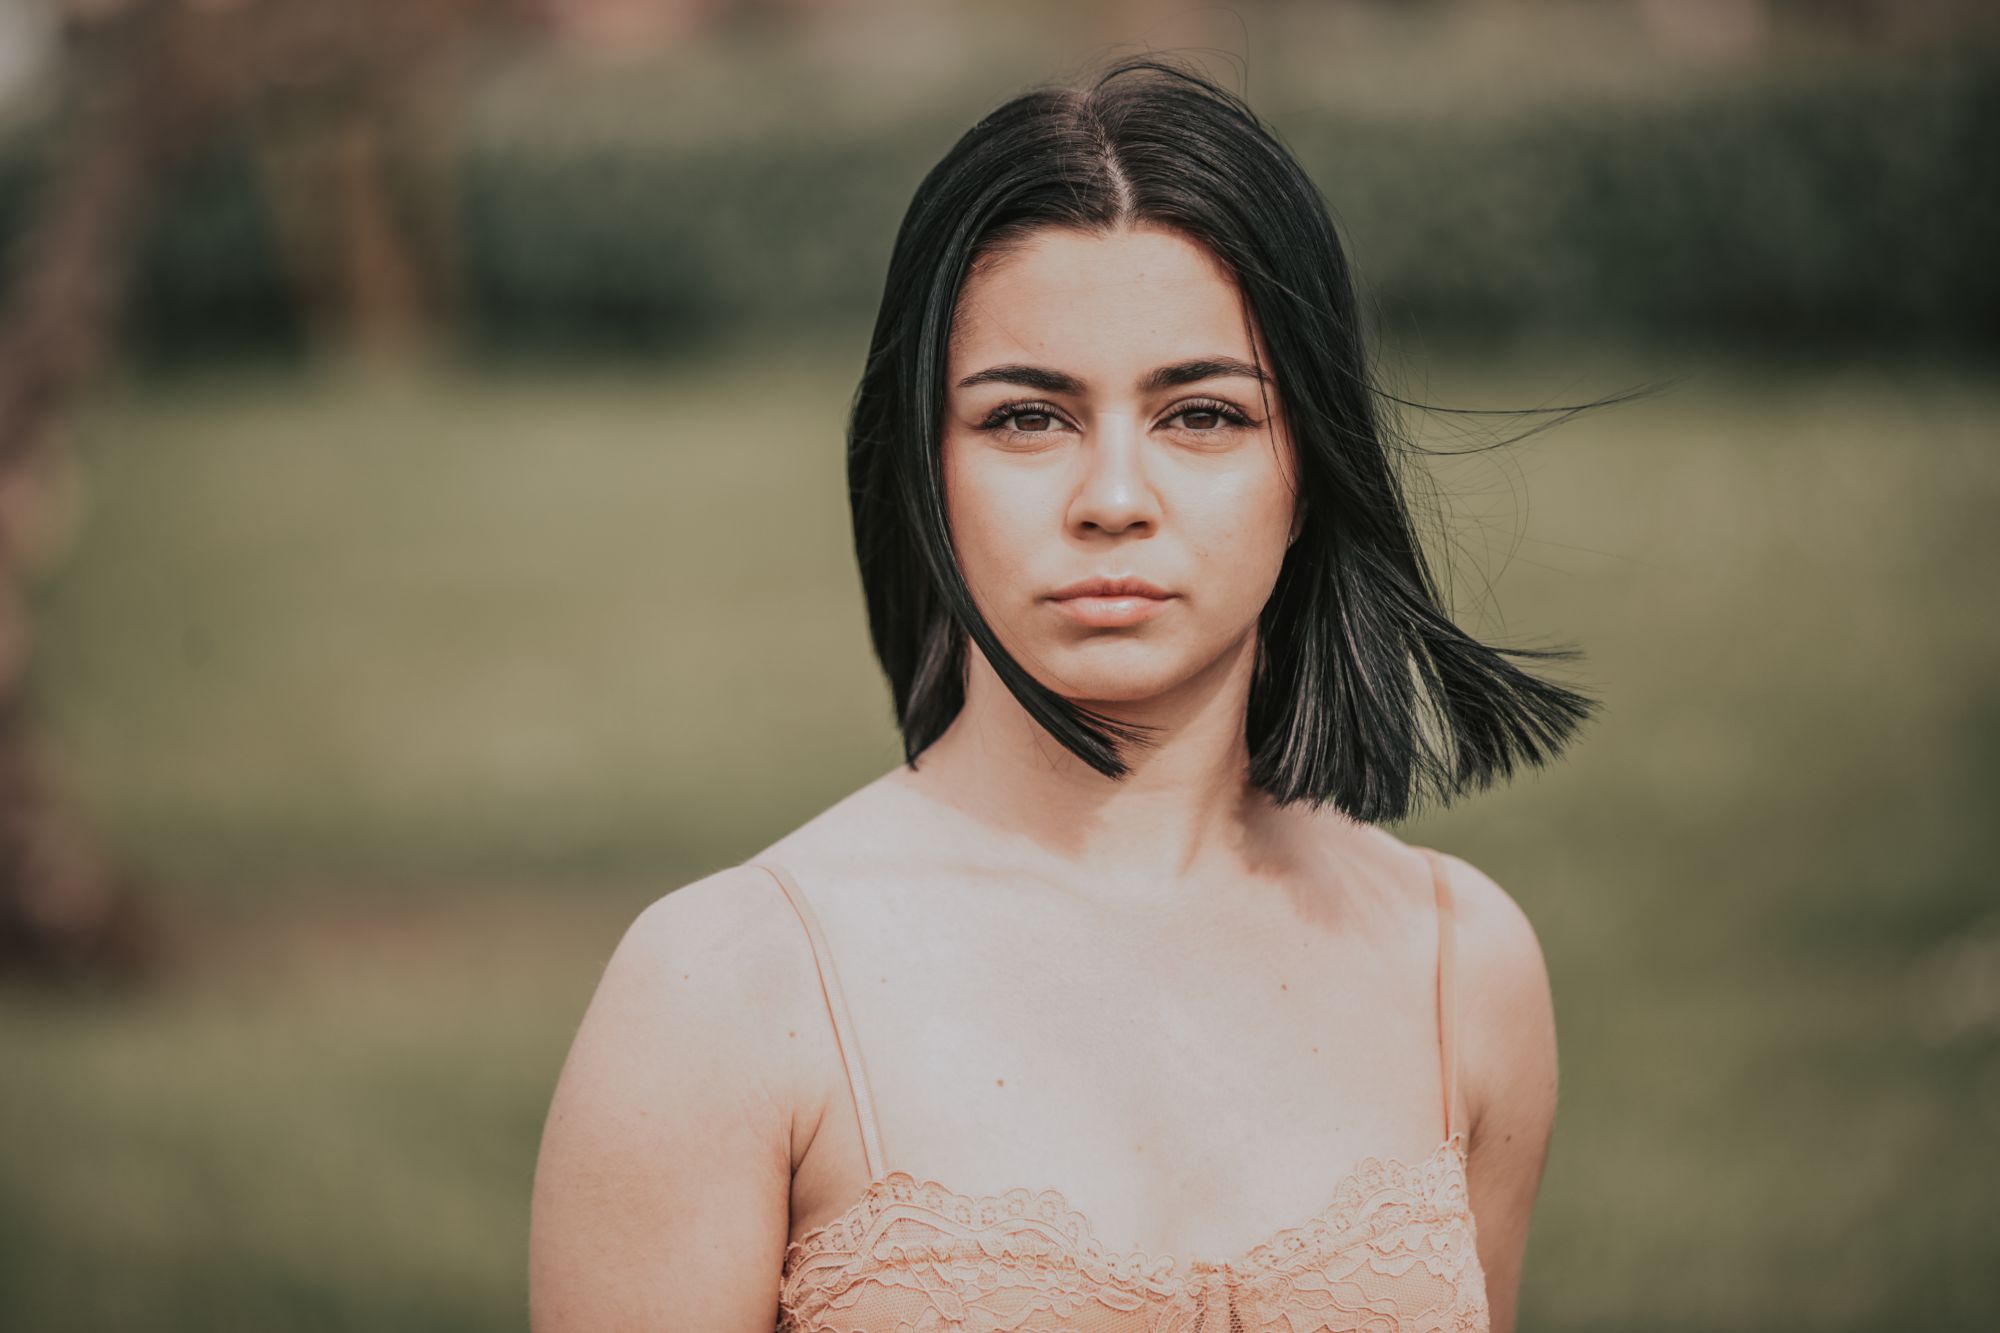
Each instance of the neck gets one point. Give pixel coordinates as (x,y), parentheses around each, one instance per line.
(1185,807)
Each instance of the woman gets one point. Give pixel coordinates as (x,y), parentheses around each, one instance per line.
(1113,1009)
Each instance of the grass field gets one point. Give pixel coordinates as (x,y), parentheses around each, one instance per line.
(409,694)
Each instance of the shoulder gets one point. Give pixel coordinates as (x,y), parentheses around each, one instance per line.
(705,982)
(669,1136)
(1506,1013)
(724,955)
(705,941)
(732,911)
(1497,946)
(1507,1069)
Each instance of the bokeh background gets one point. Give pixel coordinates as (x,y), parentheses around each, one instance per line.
(423,543)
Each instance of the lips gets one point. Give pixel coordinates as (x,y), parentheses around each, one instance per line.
(1111,603)
(1119,587)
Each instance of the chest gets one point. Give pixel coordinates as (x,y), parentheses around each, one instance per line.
(1089,1066)
(1191,1100)
(1393,1251)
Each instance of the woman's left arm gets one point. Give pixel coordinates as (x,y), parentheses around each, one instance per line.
(1507,1068)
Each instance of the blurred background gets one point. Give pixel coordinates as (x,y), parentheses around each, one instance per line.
(423,542)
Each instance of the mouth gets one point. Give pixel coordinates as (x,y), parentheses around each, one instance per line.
(1111,603)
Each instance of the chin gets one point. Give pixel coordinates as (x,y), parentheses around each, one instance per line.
(1116,674)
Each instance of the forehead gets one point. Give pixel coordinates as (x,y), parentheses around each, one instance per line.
(1101,305)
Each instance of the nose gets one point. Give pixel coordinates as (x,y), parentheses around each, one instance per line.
(1114,494)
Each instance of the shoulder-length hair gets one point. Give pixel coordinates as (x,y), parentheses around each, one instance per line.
(1365,694)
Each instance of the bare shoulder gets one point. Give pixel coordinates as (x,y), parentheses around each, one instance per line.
(668,1141)
(722,961)
(1506,1010)
(1507,1065)
(719,925)
(707,960)
(1499,953)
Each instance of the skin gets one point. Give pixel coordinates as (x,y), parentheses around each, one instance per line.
(1190,1012)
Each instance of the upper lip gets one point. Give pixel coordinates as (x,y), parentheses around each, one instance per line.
(1120,587)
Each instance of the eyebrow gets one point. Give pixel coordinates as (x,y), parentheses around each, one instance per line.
(1162,377)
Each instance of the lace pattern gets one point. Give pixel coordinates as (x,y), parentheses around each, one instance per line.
(1393,1252)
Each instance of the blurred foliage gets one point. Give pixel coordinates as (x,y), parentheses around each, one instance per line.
(1804,208)
(1799,212)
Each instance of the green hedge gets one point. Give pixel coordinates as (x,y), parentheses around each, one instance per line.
(1861,211)
(1803,212)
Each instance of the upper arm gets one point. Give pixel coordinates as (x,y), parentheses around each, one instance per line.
(1507,1062)
(662,1189)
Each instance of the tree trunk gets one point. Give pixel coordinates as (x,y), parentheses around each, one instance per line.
(61,908)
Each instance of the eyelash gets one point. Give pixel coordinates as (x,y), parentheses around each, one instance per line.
(1232,418)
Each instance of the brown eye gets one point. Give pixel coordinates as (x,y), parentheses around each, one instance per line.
(1209,418)
(1010,420)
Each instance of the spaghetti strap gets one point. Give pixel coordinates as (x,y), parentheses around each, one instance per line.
(843,1021)
(1447,998)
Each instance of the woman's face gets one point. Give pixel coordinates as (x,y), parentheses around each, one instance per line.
(1104,421)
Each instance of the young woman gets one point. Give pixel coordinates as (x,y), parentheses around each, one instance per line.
(1114,1009)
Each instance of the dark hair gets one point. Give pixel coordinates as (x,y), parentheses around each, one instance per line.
(1365,693)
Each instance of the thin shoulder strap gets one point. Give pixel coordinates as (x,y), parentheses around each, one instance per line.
(1447,998)
(843,1022)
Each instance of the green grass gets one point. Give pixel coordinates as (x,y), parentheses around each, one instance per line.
(325,1124)
(489,625)
(408,694)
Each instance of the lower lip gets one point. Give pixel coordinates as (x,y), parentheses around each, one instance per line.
(1110,612)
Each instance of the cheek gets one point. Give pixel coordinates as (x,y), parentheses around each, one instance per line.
(997,517)
(1237,529)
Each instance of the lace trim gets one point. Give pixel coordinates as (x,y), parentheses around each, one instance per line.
(1435,1185)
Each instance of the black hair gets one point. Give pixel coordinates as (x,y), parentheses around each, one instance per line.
(1365,694)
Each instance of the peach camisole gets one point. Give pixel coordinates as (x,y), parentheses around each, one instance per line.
(1393,1251)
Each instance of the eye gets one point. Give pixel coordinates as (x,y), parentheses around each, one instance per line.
(1017,419)
(1209,416)
(1021,420)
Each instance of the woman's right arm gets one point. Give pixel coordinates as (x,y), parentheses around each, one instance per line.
(662,1190)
